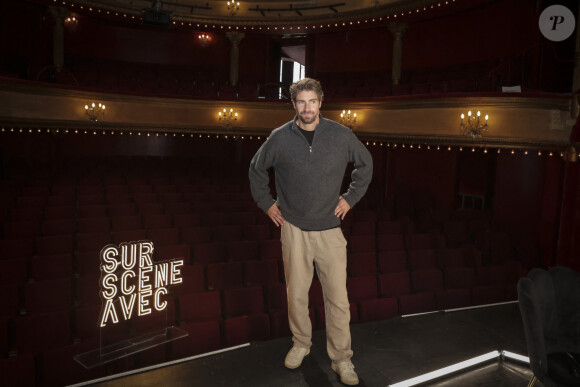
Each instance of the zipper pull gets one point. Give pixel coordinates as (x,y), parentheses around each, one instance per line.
(310,148)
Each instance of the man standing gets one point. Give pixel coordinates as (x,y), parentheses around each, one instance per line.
(309,156)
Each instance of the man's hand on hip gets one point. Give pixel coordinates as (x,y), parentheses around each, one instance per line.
(342,208)
(275,214)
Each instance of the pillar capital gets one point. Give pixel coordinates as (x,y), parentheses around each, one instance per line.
(59,14)
(235,37)
(398,29)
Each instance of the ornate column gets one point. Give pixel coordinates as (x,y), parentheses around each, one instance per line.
(58,15)
(235,39)
(398,30)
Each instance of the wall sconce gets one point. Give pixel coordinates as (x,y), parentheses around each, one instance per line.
(71,22)
(227,118)
(473,126)
(95,112)
(233,7)
(204,39)
(348,119)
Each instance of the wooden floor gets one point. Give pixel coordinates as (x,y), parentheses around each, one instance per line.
(385,353)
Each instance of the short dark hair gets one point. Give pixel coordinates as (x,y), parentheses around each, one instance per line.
(308,84)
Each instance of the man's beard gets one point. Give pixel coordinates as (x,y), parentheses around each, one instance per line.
(305,121)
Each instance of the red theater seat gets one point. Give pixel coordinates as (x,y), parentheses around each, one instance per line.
(51,267)
(275,297)
(362,264)
(18,248)
(427,280)
(315,294)
(279,325)
(9,303)
(48,296)
(52,227)
(256,232)
(126,222)
(153,220)
(92,211)
(417,303)
(176,251)
(202,337)
(94,225)
(390,242)
(227,233)
(118,209)
(225,275)
(422,259)
(163,236)
(389,227)
(243,251)
(156,320)
(42,331)
(392,261)
(459,278)
(186,220)
(451,257)
(129,236)
(360,227)
(261,272)
(418,241)
(57,244)
(362,243)
(18,371)
(243,301)
(378,309)
(361,288)
(204,253)
(92,241)
(196,235)
(193,280)
(60,212)
(21,229)
(87,291)
(14,271)
(196,307)
(177,208)
(270,249)
(88,262)
(244,329)
(244,218)
(394,284)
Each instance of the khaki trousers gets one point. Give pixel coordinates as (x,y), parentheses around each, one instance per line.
(300,250)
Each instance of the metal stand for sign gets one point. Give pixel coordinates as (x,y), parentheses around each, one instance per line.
(111,350)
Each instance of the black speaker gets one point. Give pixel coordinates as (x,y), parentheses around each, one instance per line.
(158,18)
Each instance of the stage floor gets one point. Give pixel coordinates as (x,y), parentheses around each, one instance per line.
(385,353)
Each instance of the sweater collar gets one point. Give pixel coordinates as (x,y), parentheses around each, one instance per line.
(296,128)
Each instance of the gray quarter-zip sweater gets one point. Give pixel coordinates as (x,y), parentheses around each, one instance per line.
(309,178)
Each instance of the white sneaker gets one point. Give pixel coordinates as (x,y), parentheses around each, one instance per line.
(295,357)
(345,370)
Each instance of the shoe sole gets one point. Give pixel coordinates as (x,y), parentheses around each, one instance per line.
(335,369)
(294,367)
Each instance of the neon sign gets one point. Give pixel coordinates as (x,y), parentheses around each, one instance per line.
(131,284)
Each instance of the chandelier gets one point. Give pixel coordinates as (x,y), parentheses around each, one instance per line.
(95,112)
(233,7)
(227,118)
(348,119)
(473,126)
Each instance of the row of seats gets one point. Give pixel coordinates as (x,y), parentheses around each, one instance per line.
(416,292)
(148,79)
